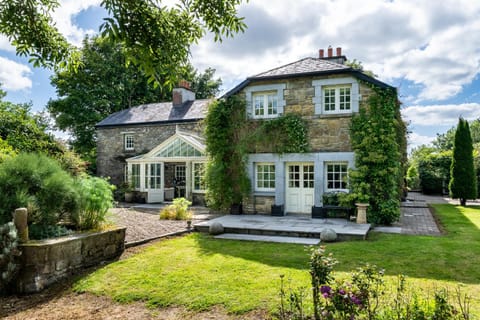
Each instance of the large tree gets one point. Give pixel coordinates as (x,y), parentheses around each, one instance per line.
(104,84)
(155,37)
(463,183)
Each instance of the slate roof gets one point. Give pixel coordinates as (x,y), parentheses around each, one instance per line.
(306,67)
(158,113)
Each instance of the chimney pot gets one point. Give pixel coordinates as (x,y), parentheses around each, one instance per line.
(339,51)
(321,53)
(330,52)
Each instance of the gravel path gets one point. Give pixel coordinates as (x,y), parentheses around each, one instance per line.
(144,225)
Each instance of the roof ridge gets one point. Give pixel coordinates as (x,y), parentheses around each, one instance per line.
(282,66)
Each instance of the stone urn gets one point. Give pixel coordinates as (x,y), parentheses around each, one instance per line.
(361,212)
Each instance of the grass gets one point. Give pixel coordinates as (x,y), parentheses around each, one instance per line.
(199,272)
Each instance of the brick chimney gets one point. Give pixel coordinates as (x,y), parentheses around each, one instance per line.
(338,58)
(182,93)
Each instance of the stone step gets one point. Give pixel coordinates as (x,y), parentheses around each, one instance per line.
(278,239)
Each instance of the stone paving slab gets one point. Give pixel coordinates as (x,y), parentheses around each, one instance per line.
(278,239)
(288,224)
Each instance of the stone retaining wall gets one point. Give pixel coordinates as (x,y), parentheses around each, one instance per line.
(45,262)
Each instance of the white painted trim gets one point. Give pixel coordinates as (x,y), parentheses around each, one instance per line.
(318,97)
(249,91)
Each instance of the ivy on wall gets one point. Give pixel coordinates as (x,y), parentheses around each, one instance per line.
(230,136)
(378,137)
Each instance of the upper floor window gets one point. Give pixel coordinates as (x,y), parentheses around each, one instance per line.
(265,101)
(337,99)
(337,176)
(129,142)
(265,104)
(336,95)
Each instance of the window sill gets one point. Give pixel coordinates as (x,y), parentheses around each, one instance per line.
(264,193)
(335,115)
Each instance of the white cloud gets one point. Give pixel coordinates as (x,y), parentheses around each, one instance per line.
(13,75)
(5,44)
(441,115)
(416,140)
(64,15)
(430,43)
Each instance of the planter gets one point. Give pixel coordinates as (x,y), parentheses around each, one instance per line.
(128,196)
(278,210)
(319,212)
(44,262)
(236,209)
(362,212)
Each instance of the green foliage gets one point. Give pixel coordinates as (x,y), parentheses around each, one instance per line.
(413,178)
(365,295)
(104,84)
(95,199)
(156,38)
(6,150)
(177,211)
(42,231)
(38,183)
(226,175)
(378,138)
(463,184)
(285,134)
(434,172)
(8,254)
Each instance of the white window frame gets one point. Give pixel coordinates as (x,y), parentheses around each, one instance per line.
(272,89)
(257,180)
(337,97)
(335,83)
(266,98)
(129,142)
(135,178)
(344,175)
(202,178)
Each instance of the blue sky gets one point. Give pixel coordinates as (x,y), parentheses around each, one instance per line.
(429,50)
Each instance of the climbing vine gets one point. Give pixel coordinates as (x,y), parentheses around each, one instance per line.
(378,137)
(230,136)
(285,134)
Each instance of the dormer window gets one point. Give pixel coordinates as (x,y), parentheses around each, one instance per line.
(129,142)
(265,104)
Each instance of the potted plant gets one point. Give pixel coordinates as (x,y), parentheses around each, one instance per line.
(128,191)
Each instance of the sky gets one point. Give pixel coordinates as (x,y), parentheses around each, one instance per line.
(428,49)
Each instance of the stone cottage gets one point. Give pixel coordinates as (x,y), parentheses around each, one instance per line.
(160,146)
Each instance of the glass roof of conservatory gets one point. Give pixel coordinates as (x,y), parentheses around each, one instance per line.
(179,148)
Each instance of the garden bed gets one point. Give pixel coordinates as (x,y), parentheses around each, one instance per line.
(44,262)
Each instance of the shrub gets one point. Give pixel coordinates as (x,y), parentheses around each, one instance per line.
(37,182)
(365,295)
(95,199)
(8,254)
(177,211)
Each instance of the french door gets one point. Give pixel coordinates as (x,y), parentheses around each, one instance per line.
(299,187)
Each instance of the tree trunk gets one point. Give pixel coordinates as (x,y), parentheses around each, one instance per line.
(463,202)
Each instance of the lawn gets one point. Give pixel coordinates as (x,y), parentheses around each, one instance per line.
(198,272)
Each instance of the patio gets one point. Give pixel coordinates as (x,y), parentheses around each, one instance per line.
(292,228)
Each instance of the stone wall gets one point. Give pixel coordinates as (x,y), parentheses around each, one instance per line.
(111,154)
(327,133)
(45,262)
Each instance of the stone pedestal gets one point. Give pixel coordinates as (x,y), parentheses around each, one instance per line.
(362,212)
(20,218)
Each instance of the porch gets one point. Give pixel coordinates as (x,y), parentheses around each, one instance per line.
(300,228)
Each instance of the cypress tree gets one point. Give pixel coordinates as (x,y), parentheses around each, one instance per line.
(463,183)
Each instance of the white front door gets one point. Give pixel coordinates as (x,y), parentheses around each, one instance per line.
(299,187)
(154,182)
